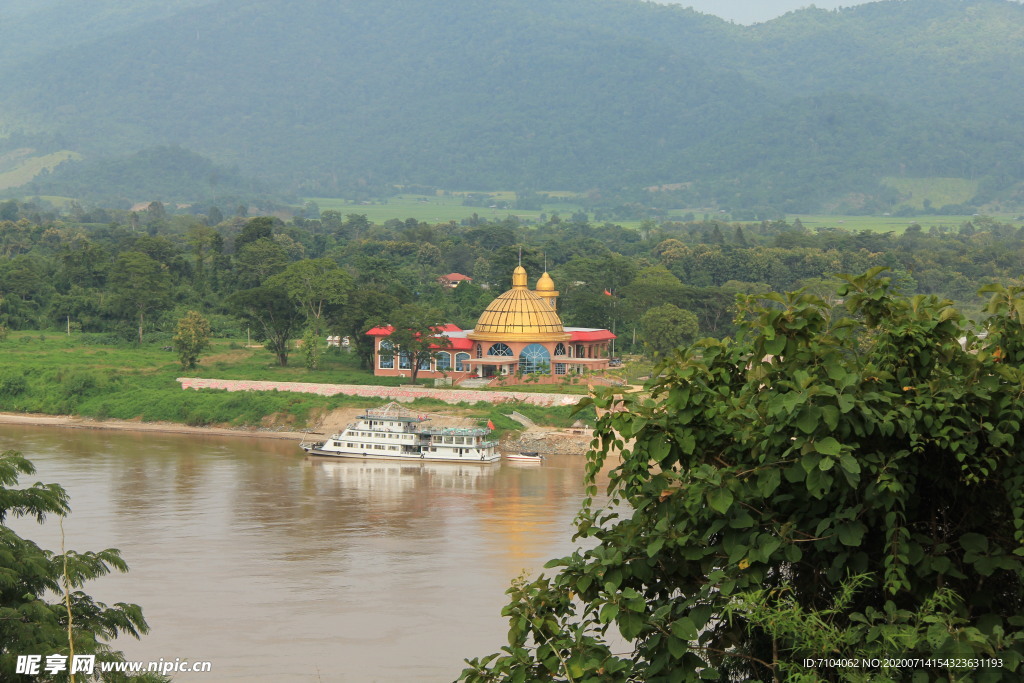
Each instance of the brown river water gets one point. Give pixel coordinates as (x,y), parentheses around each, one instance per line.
(273,566)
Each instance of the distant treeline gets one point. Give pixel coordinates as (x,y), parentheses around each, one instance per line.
(146,269)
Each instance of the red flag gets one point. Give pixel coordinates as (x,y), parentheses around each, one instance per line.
(607,293)
(490,425)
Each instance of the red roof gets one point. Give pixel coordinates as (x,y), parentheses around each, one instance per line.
(591,335)
(386,330)
(456,277)
(455,343)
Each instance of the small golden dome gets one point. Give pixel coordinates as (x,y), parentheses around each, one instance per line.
(519,315)
(545,283)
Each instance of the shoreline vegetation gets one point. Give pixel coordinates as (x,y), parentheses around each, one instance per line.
(87,381)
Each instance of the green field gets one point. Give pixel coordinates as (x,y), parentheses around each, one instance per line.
(434,209)
(441,209)
(937,191)
(17,169)
(888,223)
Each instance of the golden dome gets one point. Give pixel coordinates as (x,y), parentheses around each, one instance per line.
(545,283)
(519,315)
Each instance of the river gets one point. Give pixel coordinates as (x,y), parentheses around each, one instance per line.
(274,566)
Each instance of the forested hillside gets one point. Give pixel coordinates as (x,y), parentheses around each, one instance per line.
(807,112)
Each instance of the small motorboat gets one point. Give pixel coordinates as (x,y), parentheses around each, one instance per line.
(525,456)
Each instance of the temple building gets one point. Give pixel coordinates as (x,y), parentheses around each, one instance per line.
(518,334)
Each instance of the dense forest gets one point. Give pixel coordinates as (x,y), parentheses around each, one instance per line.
(121,275)
(807,112)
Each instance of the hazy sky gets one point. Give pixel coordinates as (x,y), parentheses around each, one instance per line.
(753,11)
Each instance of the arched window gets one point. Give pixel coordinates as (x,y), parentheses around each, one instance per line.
(425,363)
(534,358)
(444,361)
(479,351)
(499,349)
(386,355)
(460,362)
(404,361)
(559,349)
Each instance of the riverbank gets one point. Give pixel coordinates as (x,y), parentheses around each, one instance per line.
(534,438)
(75,422)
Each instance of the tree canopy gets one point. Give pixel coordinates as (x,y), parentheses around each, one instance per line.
(841,481)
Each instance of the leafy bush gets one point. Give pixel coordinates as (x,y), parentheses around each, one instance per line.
(842,481)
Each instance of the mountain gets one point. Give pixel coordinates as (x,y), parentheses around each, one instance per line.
(482,94)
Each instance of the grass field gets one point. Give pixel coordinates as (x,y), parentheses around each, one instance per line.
(57,374)
(888,223)
(15,172)
(449,208)
(938,191)
(437,209)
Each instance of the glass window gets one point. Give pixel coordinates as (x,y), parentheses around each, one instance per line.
(559,349)
(444,361)
(479,351)
(534,358)
(500,349)
(425,363)
(460,362)
(404,361)
(559,368)
(386,355)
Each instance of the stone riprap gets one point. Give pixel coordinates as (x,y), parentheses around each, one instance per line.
(403,394)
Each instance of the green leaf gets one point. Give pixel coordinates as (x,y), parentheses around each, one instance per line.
(677,647)
(975,542)
(609,612)
(774,346)
(851,533)
(828,446)
(684,628)
(630,624)
(768,481)
(720,500)
(808,420)
(849,463)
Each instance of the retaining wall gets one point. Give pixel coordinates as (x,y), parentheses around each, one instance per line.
(403,394)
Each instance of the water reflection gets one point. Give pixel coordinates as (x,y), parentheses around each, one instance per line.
(277,566)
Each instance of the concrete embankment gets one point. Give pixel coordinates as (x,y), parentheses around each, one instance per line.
(403,394)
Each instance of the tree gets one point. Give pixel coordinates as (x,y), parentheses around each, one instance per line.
(42,610)
(191,339)
(140,284)
(667,327)
(840,483)
(257,261)
(417,335)
(275,317)
(315,286)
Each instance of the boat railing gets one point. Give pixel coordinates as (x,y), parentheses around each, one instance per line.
(457,431)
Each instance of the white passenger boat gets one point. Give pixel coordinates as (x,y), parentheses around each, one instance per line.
(391,433)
